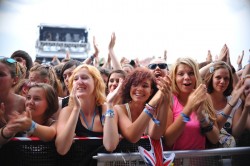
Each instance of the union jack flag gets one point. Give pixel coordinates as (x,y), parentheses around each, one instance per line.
(155,156)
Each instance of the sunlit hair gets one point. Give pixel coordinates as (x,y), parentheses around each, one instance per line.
(99,90)
(48,72)
(185,61)
(135,78)
(51,98)
(123,74)
(207,105)
(210,73)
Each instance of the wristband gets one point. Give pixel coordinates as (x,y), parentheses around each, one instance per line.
(224,115)
(150,108)
(92,57)
(157,122)
(32,128)
(208,128)
(185,117)
(109,113)
(3,134)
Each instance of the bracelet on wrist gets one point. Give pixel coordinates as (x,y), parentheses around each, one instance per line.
(208,128)
(185,118)
(92,57)
(224,115)
(32,128)
(157,122)
(109,113)
(150,108)
(230,105)
(2,134)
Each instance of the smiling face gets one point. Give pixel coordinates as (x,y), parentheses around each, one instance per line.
(36,102)
(221,79)
(114,81)
(84,83)
(185,78)
(142,91)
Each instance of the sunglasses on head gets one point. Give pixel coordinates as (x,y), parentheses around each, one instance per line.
(160,65)
(9,60)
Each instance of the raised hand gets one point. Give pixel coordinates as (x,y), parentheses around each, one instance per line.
(223,53)
(95,47)
(115,94)
(209,56)
(240,58)
(19,122)
(74,96)
(236,93)
(198,96)
(112,41)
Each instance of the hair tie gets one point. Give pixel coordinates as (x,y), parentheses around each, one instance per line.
(211,69)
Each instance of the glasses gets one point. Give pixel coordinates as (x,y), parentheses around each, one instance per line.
(9,60)
(160,65)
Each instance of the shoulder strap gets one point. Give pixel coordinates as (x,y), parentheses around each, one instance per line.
(128,111)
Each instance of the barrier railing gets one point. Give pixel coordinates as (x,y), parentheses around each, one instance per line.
(90,151)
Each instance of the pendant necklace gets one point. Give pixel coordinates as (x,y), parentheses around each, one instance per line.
(85,121)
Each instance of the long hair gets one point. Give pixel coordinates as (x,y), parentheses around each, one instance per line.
(207,105)
(210,73)
(99,91)
(51,98)
(189,62)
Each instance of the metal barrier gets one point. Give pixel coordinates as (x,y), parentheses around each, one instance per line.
(211,157)
(90,151)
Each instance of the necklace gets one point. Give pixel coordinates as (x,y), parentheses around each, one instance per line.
(85,121)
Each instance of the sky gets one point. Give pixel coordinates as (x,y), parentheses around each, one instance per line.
(143,28)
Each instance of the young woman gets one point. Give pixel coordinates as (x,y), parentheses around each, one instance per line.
(145,109)
(13,119)
(83,115)
(42,102)
(219,81)
(192,118)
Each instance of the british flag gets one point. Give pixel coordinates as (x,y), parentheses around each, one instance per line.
(155,156)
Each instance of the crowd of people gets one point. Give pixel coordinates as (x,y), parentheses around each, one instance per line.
(190,105)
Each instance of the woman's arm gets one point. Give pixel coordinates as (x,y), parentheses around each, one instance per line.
(45,133)
(165,98)
(110,130)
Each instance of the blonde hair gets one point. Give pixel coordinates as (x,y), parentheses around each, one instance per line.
(207,105)
(99,90)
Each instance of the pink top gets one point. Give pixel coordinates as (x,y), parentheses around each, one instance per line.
(191,138)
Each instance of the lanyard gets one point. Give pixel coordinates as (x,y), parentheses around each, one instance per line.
(85,121)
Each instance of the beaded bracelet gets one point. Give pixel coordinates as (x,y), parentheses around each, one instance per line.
(157,122)
(3,134)
(185,117)
(208,128)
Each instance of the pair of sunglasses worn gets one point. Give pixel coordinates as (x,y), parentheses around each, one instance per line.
(160,65)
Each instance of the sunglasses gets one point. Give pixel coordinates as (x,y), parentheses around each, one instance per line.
(9,60)
(160,65)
